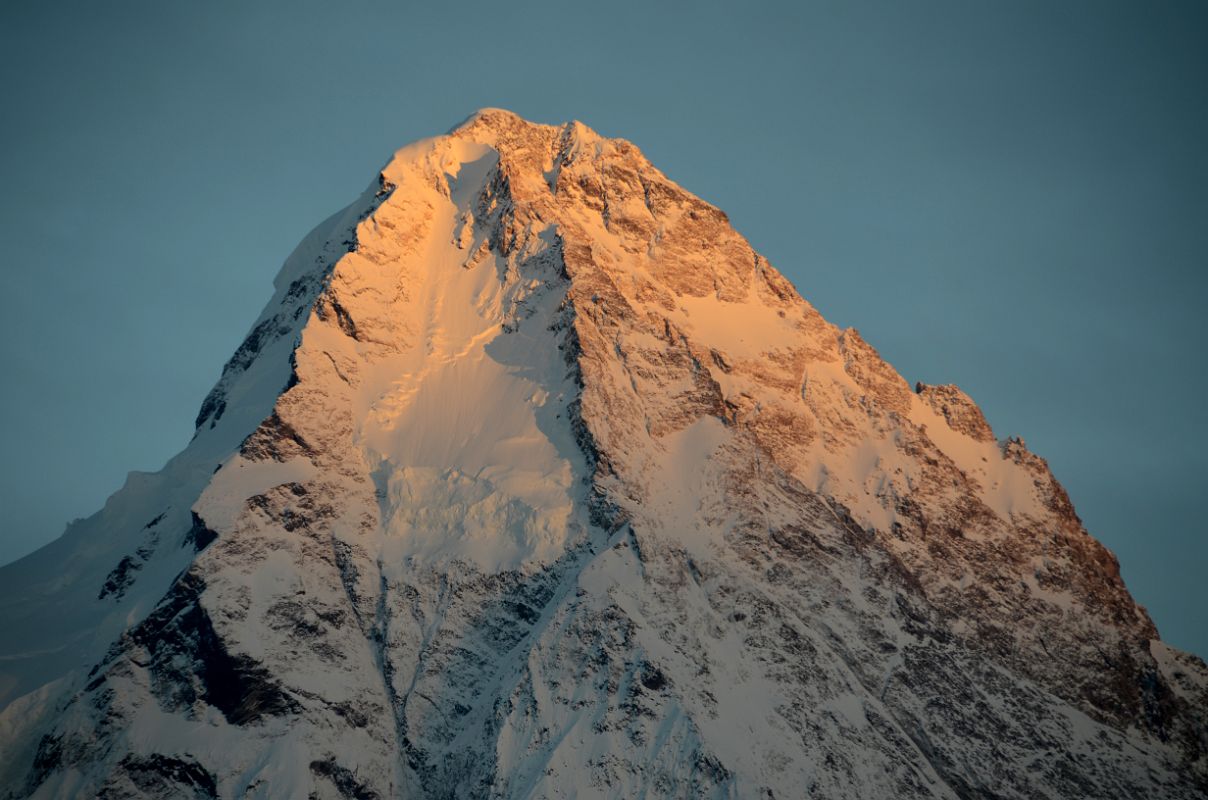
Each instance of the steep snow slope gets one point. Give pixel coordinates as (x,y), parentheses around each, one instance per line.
(534,480)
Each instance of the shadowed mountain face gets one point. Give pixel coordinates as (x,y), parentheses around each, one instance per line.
(534,480)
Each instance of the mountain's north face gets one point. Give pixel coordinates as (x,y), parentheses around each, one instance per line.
(534,480)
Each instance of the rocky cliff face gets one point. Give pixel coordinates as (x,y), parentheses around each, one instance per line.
(535,480)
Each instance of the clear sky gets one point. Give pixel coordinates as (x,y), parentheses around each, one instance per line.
(1009,196)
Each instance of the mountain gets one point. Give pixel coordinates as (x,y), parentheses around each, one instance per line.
(534,480)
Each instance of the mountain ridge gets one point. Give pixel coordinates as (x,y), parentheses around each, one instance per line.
(697,523)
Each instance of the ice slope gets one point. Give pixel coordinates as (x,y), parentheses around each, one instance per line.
(535,480)
(54,623)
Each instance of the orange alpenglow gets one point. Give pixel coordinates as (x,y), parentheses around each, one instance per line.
(534,480)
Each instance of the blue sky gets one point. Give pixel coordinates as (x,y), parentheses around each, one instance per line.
(1009,196)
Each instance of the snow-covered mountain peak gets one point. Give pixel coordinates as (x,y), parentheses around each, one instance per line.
(493,118)
(534,479)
